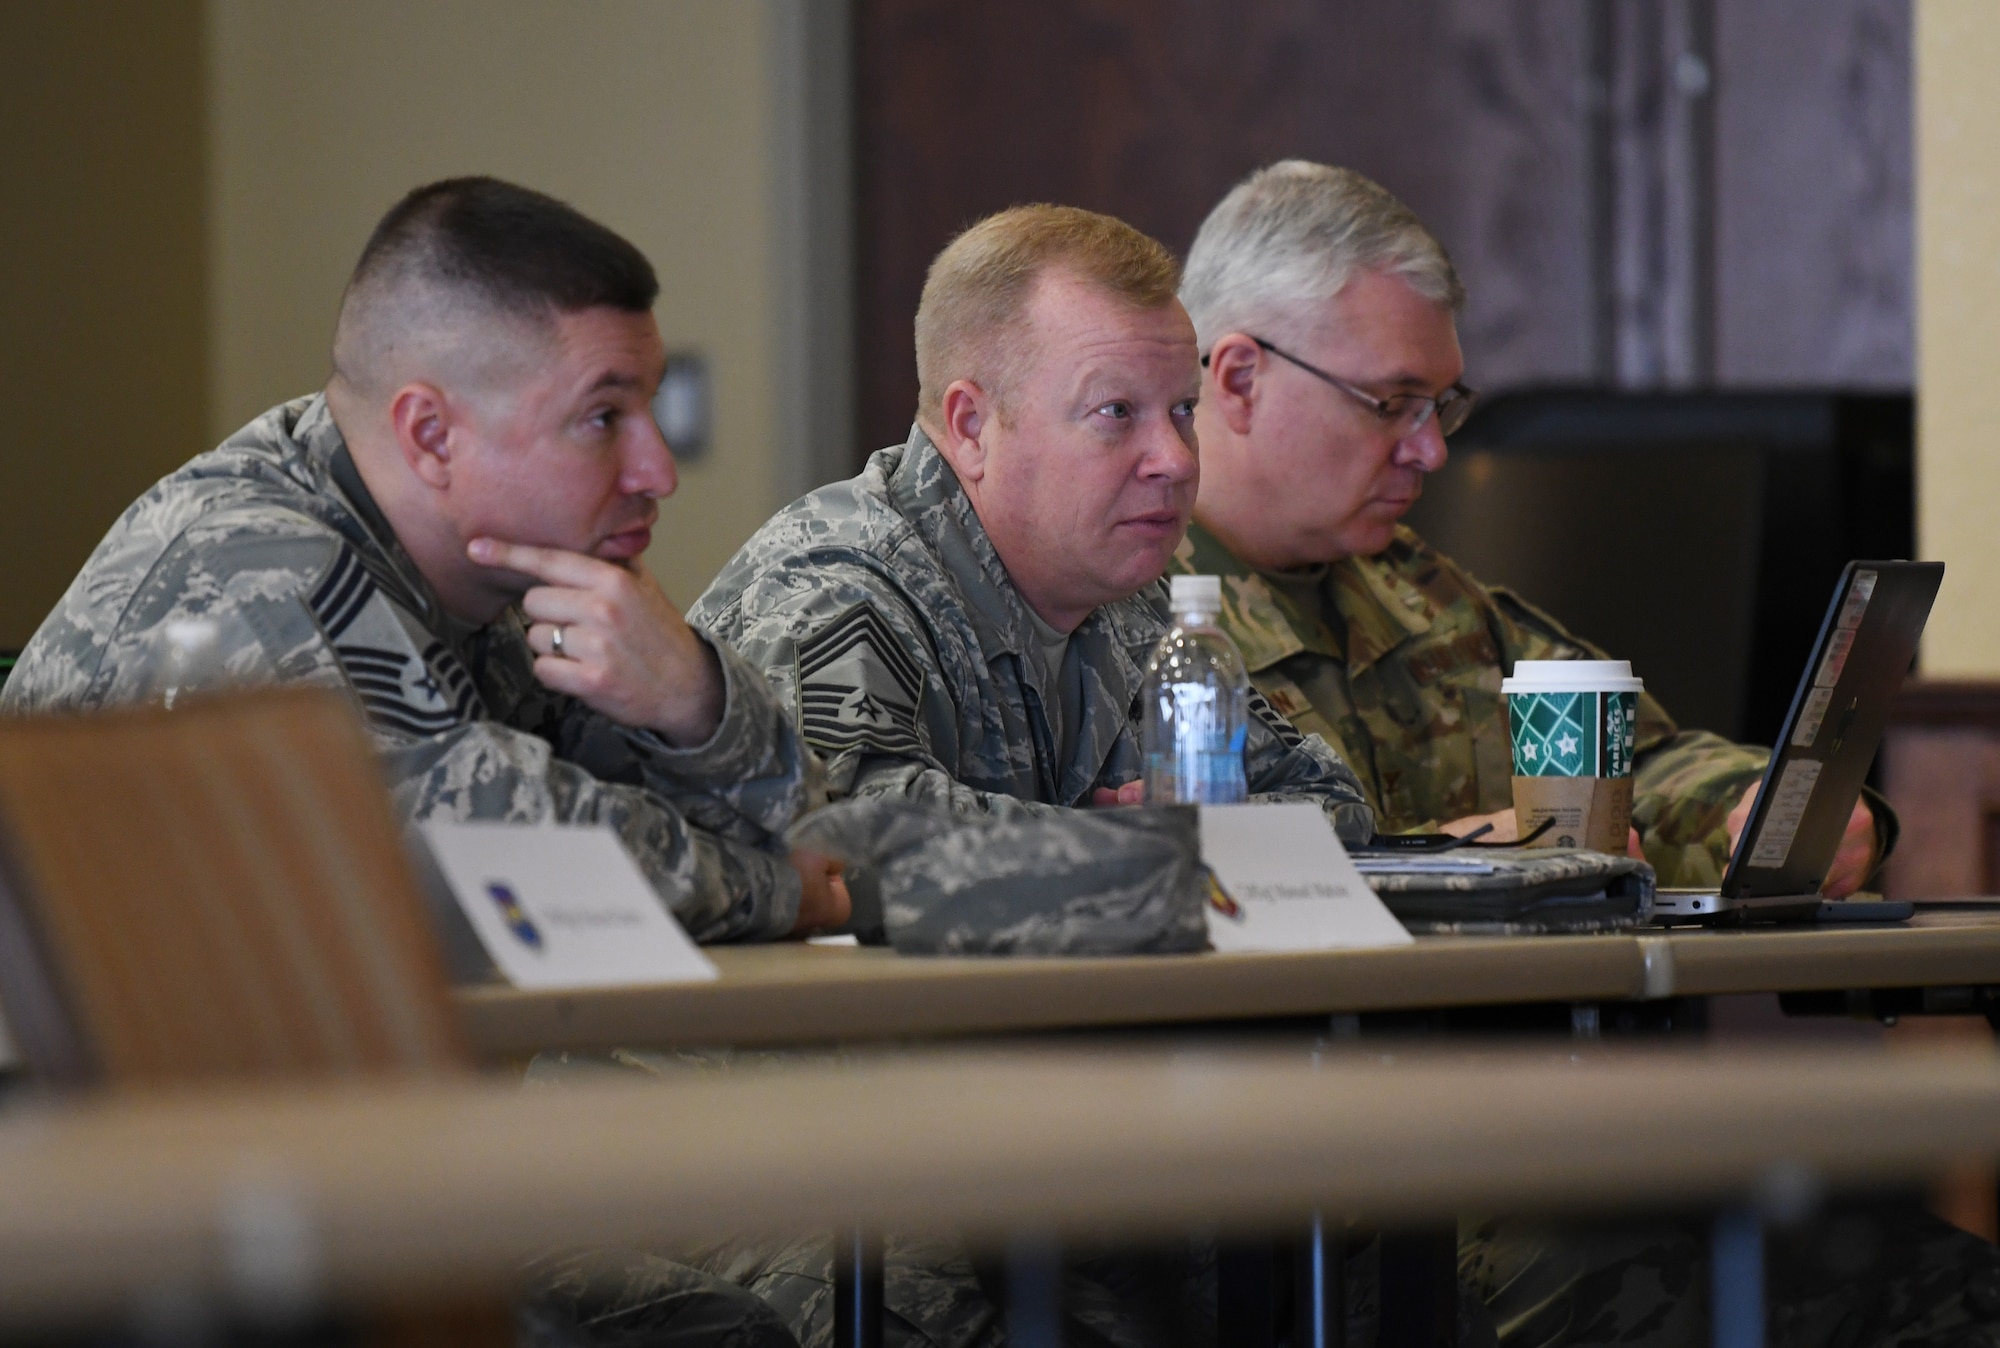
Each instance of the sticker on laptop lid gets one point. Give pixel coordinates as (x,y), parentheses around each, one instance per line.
(1787,812)
(1858,595)
(1838,643)
(1811,716)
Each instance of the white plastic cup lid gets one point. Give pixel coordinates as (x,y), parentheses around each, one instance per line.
(1201,593)
(1572,676)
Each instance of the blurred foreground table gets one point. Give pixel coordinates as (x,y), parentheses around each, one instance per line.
(789,994)
(289,1201)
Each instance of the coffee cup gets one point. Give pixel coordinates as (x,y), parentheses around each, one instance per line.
(1574,724)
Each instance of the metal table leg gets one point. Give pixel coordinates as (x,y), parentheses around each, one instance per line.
(857,1289)
(1034,1292)
(1736,1268)
(1319,1289)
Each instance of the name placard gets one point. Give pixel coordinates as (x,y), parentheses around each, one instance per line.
(1293,885)
(563,906)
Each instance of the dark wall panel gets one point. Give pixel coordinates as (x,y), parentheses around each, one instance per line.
(1814,217)
(1151,109)
(1660,193)
(102,288)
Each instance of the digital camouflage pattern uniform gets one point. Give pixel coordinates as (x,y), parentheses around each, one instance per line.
(1396,660)
(275,536)
(881,611)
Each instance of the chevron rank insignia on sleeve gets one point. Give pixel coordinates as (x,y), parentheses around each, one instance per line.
(1287,733)
(858,687)
(419,692)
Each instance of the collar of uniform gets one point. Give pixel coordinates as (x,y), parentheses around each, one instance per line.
(1265,624)
(1379,600)
(926,492)
(326,449)
(1112,642)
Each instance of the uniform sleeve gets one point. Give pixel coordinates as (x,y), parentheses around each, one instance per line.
(1283,765)
(299,605)
(721,888)
(749,780)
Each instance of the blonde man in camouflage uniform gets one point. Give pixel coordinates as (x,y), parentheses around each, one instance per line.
(966,622)
(1325,313)
(451,535)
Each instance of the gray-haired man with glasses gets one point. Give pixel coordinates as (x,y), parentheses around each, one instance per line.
(1326,314)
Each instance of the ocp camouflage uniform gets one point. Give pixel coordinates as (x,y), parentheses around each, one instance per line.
(880,609)
(1396,660)
(275,537)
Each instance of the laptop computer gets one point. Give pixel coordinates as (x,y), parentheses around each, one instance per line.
(1864,650)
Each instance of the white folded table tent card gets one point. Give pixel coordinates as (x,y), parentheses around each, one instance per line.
(1291,882)
(563,906)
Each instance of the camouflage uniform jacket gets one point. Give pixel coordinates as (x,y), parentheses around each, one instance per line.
(1399,669)
(880,607)
(275,537)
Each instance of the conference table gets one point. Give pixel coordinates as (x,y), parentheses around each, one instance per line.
(283,1202)
(799,994)
(1944,959)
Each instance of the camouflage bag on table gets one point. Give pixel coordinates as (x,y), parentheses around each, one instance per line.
(1494,890)
(1071,882)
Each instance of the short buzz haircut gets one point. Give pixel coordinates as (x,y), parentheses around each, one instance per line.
(969,322)
(1288,238)
(488,248)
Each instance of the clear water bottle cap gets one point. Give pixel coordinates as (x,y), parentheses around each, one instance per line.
(1200,594)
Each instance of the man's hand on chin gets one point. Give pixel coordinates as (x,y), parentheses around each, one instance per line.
(625,650)
(1851,864)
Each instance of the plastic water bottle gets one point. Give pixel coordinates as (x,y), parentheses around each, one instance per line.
(1196,703)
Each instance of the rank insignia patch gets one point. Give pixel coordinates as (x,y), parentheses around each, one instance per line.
(1287,733)
(858,687)
(418,692)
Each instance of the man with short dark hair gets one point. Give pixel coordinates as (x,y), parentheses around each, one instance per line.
(452,533)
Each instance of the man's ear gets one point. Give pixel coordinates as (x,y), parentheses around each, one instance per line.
(967,416)
(1231,378)
(421,423)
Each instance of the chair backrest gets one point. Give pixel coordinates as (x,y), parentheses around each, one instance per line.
(215,892)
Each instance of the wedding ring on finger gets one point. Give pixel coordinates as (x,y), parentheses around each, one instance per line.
(556,641)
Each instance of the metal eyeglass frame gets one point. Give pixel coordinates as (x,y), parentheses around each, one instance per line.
(1451,407)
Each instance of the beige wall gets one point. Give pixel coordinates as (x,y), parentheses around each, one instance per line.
(1958,328)
(101,291)
(653,117)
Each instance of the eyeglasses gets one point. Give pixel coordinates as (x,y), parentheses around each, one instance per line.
(1405,413)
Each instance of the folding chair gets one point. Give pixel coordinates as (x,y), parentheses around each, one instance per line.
(220,893)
